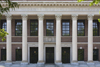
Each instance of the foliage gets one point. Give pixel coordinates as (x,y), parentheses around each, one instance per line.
(3,9)
(3,33)
(91,3)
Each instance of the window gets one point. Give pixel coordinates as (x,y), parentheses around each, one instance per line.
(18,28)
(80,54)
(33,27)
(65,28)
(49,27)
(81,28)
(95,28)
(18,54)
(4,25)
(3,54)
(95,54)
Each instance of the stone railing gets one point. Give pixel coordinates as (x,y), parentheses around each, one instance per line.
(49,38)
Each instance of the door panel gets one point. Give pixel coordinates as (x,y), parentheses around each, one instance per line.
(95,54)
(33,54)
(18,54)
(49,54)
(65,54)
(3,54)
(80,54)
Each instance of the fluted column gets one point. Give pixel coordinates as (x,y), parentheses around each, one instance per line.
(8,40)
(74,38)
(24,39)
(58,38)
(90,38)
(40,39)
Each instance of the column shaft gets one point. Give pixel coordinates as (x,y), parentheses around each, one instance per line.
(58,38)
(90,38)
(74,38)
(8,43)
(40,39)
(24,38)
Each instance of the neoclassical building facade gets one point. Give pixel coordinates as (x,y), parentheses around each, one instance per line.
(55,32)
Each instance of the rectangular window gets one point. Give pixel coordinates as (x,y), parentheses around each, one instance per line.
(18,27)
(95,28)
(65,27)
(49,27)
(4,25)
(33,27)
(95,54)
(3,54)
(18,54)
(81,28)
(80,54)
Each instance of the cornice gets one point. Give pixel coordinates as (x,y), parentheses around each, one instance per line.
(52,3)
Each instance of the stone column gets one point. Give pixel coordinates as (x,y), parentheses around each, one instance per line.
(90,38)
(58,38)
(40,39)
(74,38)
(8,40)
(24,39)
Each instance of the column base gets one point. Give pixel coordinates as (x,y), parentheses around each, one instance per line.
(90,62)
(24,62)
(58,62)
(8,62)
(74,62)
(40,62)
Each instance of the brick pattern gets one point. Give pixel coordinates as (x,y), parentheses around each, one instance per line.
(32,39)
(14,47)
(17,39)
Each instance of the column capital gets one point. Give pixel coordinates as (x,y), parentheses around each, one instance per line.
(40,16)
(24,16)
(8,16)
(74,16)
(90,16)
(58,16)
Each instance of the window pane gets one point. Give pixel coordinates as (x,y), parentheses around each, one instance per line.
(33,27)
(49,28)
(95,28)
(3,54)
(80,28)
(95,54)
(4,25)
(65,28)
(18,27)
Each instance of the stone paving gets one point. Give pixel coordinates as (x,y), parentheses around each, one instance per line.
(51,65)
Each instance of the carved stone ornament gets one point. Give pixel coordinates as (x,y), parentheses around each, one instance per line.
(90,16)
(24,16)
(58,16)
(74,16)
(40,16)
(8,16)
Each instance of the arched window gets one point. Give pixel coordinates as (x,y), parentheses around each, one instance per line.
(4,25)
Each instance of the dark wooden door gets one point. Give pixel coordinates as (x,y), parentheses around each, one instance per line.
(3,54)
(18,54)
(95,54)
(33,54)
(65,54)
(49,54)
(80,54)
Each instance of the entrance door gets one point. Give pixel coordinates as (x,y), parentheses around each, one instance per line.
(33,54)
(95,54)
(80,54)
(3,54)
(49,54)
(65,54)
